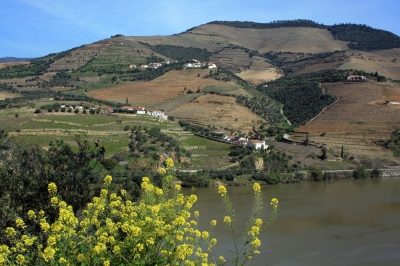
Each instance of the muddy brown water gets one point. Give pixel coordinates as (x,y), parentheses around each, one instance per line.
(346,222)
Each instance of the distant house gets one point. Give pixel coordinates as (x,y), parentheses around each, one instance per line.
(241,142)
(212,65)
(140,110)
(132,66)
(257,144)
(126,108)
(144,66)
(188,65)
(356,77)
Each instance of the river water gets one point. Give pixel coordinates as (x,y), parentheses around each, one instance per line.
(346,222)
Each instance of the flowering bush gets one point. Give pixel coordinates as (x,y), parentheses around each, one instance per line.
(116,231)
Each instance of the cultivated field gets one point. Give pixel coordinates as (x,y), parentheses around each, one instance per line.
(276,39)
(257,77)
(217,111)
(358,119)
(80,56)
(158,90)
(235,59)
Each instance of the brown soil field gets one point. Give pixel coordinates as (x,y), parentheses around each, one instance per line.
(277,39)
(10,64)
(375,61)
(158,90)
(358,119)
(219,112)
(4,95)
(256,77)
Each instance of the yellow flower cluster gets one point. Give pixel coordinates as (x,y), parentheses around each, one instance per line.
(169,163)
(274,203)
(114,230)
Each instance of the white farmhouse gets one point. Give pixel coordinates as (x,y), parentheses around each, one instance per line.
(257,144)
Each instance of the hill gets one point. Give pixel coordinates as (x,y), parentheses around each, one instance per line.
(13,59)
(267,78)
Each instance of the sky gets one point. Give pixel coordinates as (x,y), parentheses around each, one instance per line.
(34,28)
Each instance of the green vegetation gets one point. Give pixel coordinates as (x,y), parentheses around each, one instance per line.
(301,96)
(393,143)
(180,53)
(25,174)
(37,66)
(365,38)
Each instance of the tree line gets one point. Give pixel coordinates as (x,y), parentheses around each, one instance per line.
(180,53)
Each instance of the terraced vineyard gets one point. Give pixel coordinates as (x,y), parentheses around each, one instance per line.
(219,112)
(79,57)
(357,120)
(235,58)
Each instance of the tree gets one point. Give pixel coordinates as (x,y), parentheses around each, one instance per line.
(317,174)
(323,156)
(376,173)
(26,173)
(38,111)
(360,172)
(307,141)
(16,115)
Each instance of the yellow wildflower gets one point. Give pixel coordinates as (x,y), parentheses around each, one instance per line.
(62,260)
(169,163)
(31,214)
(163,171)
(196,214)
(256,242)
(178,187)
(256,188)
(20,259)
(205,234)
(107,179)
(123,192)
(258,222)
(20,223)
(10,231)
(48,254)
(52,188)
(222,190)
(213,223)
(227,220)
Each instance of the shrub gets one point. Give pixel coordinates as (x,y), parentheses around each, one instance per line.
(115,231)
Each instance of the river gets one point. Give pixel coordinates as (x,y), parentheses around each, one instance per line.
(346,222)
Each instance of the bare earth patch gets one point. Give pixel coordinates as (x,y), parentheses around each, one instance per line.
(10,64)
(256,77)
(4,95)
(219,112)
(158,90)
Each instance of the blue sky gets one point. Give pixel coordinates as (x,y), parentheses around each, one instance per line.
(32,28)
